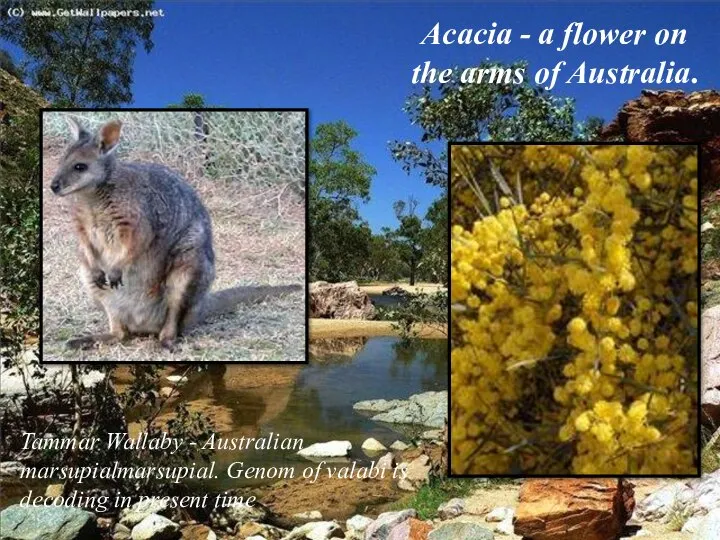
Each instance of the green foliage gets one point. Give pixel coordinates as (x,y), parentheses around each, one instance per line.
(190,101)
(438,491)
(418,308)
(408,235)
(434,242)
(337,171)
(455,111)
(383,261)
(710,456)
(80,61)
(20,219)
(339,177)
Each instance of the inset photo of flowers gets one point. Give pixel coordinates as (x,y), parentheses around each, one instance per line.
(574,309)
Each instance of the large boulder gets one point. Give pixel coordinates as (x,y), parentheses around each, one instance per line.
(47,523)
(673,116)
(426,409)
(695,497)
(339,301)
(569,508)
(710,371)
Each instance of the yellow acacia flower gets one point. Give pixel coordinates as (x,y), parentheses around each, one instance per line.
(572,316)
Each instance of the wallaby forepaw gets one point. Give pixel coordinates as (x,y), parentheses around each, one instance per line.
(115,279)
(99,279)
(168,344)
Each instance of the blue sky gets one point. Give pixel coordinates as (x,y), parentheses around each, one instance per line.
(354,61)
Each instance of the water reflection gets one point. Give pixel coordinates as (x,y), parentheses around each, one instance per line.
(314,402)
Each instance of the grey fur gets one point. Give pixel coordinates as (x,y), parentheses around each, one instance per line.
(145,242)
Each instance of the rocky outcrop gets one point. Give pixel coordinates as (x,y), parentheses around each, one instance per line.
(560,509)
(674,117)
(426,409)
(47,523)
(695,497)
(339,301)
(710,371)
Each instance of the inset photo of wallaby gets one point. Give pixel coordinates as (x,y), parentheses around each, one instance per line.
(174,235)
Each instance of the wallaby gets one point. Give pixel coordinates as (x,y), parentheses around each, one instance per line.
(145,239)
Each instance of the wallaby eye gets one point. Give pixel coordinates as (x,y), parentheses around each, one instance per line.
(81,167)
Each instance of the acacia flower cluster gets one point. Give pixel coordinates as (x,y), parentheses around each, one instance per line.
(574,310)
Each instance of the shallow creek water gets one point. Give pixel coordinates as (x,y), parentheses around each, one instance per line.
(314,402)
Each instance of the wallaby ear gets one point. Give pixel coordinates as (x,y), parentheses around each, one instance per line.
(76,130)
(108,136)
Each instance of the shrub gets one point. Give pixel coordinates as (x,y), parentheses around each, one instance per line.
(574,326)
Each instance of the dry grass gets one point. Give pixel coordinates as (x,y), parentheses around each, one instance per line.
(259,238)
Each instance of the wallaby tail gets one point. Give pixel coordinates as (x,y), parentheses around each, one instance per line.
(225,301)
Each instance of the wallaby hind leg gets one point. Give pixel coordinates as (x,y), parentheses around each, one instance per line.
(184,286)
